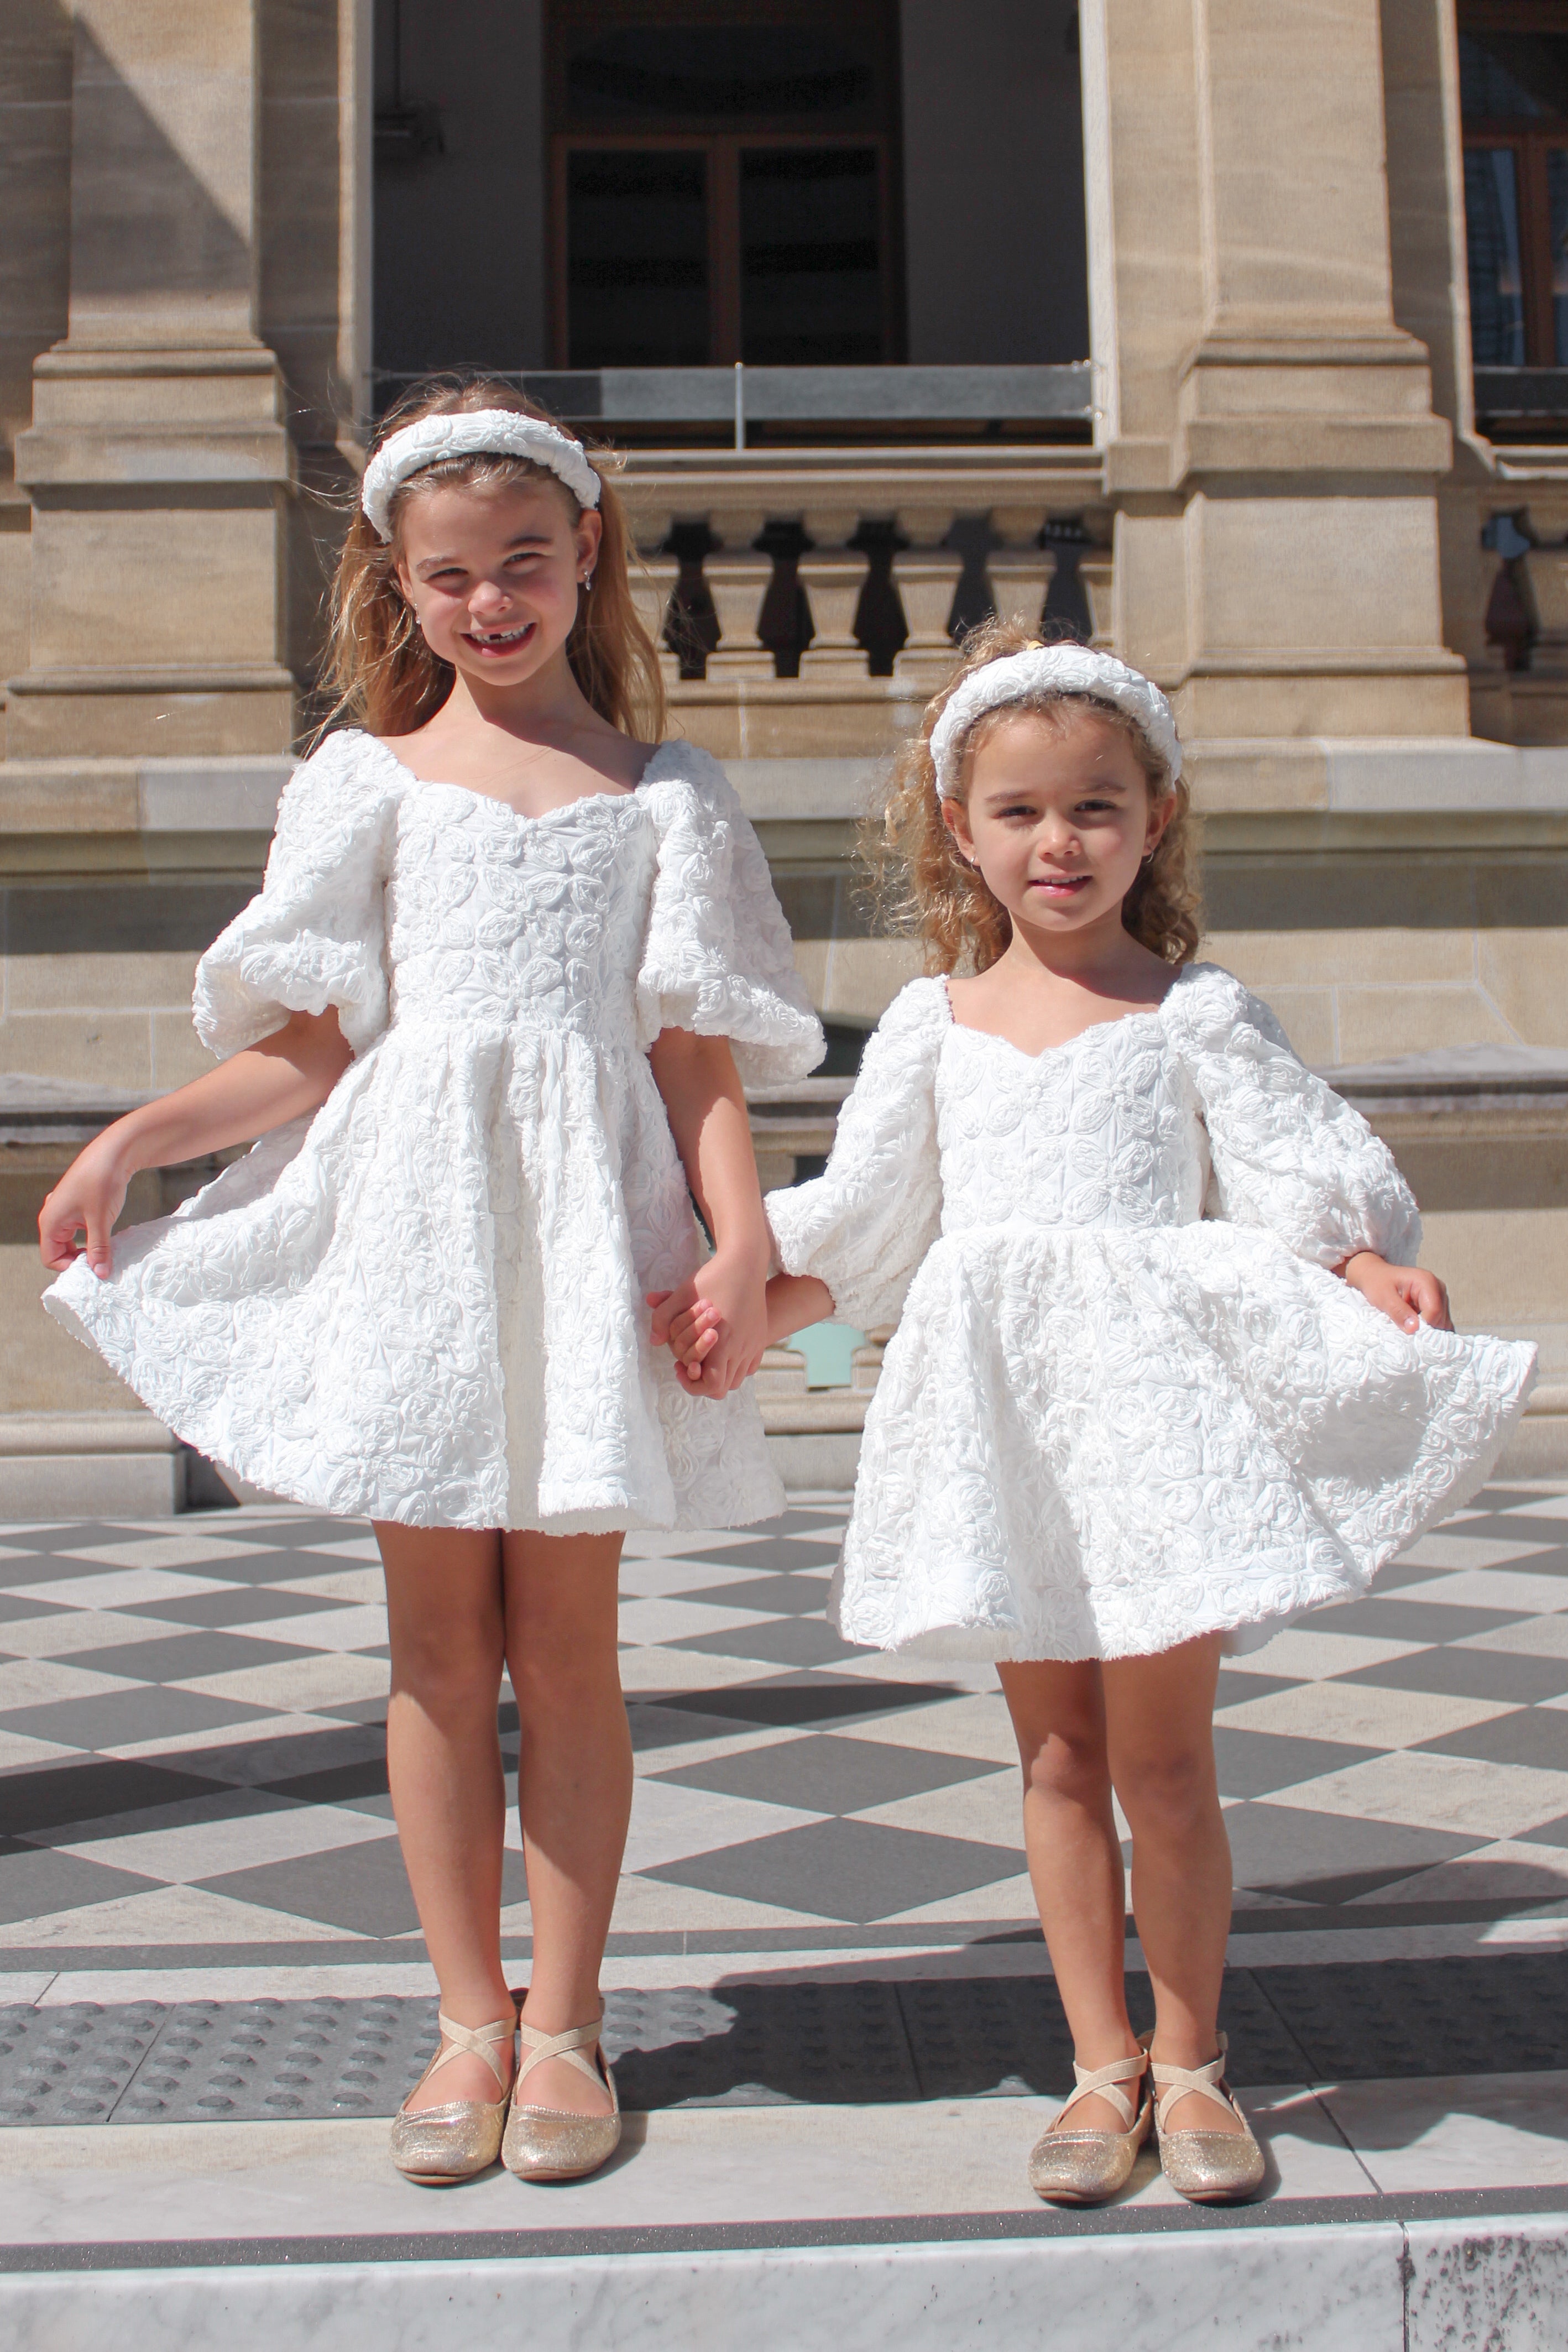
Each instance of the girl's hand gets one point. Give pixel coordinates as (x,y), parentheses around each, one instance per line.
(87,1198)
(717,1323)
(686,1325)
(1408,1295)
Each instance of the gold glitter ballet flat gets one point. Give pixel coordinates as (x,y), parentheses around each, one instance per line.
(1085,2168)
(1208,2167)
(547,2143)
(439,2146)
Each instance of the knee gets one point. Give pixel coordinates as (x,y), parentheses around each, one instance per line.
(556,1680)
(1170,1791)
(1068,1765)
(447,1670)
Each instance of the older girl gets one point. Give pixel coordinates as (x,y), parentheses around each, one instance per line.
(1157,1384)
(482,1013)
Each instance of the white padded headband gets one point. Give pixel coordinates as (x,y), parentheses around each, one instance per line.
(472,432)
(1051,669)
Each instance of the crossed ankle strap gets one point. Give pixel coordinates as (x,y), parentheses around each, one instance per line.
(569,2046)
(476,2040)
(1102,2082)
(1173,2082)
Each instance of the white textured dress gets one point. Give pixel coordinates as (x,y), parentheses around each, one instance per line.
(1126,1402)
(424,1302)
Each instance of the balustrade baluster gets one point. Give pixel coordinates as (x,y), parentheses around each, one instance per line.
(833,577)
(1094,573)
(738,584)
(1019,579)
(653,579)
(926,579)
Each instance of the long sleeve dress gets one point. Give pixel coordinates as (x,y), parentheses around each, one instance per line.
(1128,1401)
(424,1302)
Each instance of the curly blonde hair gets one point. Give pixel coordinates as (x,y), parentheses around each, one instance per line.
(383,676)
(923,887)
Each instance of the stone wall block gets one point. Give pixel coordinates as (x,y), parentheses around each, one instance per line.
(163,171)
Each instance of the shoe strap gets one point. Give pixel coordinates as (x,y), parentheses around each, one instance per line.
(1102,2082)
(568,2047)
(1173,2082)
(477,2041)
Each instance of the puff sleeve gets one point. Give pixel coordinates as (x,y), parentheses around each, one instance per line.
(1288,1152)
(316,934)
(718,960)
(864,1225)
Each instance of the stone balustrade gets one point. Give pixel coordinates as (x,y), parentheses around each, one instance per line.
(844,574)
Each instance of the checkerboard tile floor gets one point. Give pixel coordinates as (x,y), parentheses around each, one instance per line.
(192,1754)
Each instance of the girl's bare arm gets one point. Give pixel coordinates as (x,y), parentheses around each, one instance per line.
(287,1074)
(707,1109)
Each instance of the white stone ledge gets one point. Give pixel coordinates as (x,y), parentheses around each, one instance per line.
(1238,779)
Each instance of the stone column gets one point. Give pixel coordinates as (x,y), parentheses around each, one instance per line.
(1269,439)
(158,460)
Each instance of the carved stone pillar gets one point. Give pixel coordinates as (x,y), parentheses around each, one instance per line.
(157,461)
(1270,445)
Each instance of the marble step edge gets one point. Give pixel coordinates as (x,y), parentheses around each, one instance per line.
(1399,2283)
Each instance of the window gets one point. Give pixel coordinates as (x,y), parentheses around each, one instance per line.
(724,183)
(1513,79)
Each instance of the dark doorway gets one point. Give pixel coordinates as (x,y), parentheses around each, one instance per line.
(724,183)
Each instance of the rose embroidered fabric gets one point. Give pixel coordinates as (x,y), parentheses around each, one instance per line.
(1127,1401)
(425,1302)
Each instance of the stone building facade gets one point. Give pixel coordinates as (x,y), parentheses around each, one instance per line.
(1224,331)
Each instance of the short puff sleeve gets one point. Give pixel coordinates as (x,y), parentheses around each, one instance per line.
(718,960)
(864,1225)
(316,934)
(1288,1152)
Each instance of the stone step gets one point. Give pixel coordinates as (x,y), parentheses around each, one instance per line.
(1398,2217)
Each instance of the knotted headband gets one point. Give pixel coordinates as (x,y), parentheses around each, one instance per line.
(472,432)
(1051,669)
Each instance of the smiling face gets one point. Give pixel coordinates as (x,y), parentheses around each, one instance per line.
(1059,816)
(493,573)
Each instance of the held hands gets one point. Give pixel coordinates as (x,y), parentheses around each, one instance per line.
(1408,1295)
(87,1198)
(715,1325)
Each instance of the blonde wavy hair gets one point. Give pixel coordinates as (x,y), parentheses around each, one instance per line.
(379,670)
(923,887)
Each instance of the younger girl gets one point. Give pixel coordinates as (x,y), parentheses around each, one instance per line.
(480,1013)
(1156,1387)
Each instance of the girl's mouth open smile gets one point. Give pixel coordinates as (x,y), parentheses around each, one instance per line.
(1066,886)
(494,643)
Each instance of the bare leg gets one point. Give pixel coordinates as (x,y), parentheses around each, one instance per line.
(574,1780)
(1160,1739)
(1075,1859)
(443,1759)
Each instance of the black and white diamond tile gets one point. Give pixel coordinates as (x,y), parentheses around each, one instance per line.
(192,1746)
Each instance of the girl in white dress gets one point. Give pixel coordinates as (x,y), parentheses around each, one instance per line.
(490,1013)
(1165,1374)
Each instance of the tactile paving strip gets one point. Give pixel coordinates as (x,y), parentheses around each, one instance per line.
(761,2045)
(211,2061)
